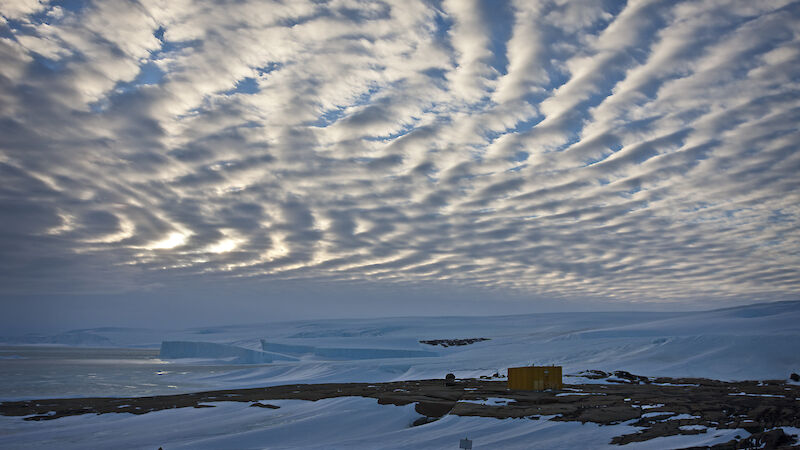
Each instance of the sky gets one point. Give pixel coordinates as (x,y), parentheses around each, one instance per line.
(179,162)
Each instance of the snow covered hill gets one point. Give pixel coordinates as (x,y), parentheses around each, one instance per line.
(749,342)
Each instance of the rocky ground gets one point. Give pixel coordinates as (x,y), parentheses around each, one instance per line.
(658,406)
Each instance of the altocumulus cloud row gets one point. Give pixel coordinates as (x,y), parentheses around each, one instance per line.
(563,148)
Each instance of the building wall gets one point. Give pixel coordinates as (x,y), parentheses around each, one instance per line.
(534,378)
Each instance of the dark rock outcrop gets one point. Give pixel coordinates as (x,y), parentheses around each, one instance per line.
(453,342)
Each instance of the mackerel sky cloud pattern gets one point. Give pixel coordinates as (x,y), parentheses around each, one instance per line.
(566,149)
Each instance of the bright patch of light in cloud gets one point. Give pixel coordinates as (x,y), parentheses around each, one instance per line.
(174,239)
(222,246)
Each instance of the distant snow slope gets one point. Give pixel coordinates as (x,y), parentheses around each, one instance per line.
(333,353)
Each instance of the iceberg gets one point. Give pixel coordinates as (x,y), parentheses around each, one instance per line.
(210,350)
(286,348)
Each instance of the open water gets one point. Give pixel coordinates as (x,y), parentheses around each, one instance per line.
(39,372)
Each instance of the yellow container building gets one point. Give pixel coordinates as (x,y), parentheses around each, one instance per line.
(534,378)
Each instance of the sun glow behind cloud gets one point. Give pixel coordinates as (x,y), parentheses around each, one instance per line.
(223,246)
(174,239)
(594,149)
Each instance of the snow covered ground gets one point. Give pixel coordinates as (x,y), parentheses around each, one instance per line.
(751,342)
(341,423)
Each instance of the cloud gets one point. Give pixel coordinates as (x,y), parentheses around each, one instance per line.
(562,149)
